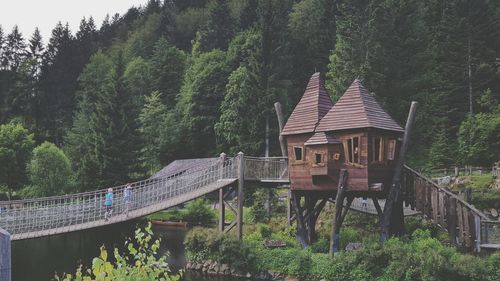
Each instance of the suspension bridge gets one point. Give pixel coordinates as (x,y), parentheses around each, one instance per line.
(185,180)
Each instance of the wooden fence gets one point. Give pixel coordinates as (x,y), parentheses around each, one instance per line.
(467,227)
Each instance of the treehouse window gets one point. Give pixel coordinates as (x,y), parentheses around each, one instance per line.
(298,153)
(391,149)
(378,149)
(318,158)
(352,150)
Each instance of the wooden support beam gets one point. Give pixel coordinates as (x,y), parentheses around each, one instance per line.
(5,256)
(241,181)
(377,207)
(222,210)
(281,123)
(289,209)
(301,231)
(339,202)
(310,205)
(393,219)
(346,209)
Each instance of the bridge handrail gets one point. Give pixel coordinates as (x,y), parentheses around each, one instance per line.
(469,206)
(193,169)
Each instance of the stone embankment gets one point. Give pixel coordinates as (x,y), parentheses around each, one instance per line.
(215,268)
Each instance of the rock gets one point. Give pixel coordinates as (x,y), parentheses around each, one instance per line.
(353,247)
(248,275)
(494,212)
(291,279)
(497,184)
(225,269)
(199,266)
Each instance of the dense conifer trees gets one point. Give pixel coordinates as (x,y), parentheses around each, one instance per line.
(177,79)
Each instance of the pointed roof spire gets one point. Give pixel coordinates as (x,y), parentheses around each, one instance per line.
(314,104)
(357,109)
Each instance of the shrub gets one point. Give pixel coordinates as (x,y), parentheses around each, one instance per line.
(232,251)
(140,263)
(265,231)
(320,246)
(199,242)
(348,235)
(199,213)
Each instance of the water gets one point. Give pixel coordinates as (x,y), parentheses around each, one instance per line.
(39,259)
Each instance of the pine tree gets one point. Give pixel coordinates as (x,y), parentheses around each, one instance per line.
(167,68)
(218,30)
(15,49)
(58,82)
(152,131)
(199,102)
(35,53)
(3,58)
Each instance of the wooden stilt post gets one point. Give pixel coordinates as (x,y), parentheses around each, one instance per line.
(289,208)
(339,201)
(301,230)
(241,179)
(222,207)
(279,114)
(393,220)
(452,220)
(311,219)
(5,256)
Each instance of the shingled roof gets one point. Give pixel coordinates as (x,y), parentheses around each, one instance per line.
(357,109)
(314,104)
(321,138)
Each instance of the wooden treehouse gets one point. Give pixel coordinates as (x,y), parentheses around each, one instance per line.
(354,135)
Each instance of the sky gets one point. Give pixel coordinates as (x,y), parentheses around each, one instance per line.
(45,14)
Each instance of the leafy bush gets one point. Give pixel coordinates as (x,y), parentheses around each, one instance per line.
(320,246)
(348,235)
(265,231)
(232,251)
(199,212)
(199,242)
(485,200)
(139,264)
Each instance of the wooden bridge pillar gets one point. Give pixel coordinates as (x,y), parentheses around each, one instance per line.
(338,218)
(5,256)
(241,180)
(222,207)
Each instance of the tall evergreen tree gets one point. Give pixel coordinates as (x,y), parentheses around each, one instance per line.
(167,68)
(199,102)
(218,30)
(58,83)
(15,49)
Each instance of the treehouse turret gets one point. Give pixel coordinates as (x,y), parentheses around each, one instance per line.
(355,134)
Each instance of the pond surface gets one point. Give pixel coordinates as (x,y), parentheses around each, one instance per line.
(39,259)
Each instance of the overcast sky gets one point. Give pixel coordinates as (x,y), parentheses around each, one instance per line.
(45,14)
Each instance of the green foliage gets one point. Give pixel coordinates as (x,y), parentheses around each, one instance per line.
(50,171)
(152,129)
(199,102)
(479,139)
(232,251)
(321,246)
(140,263)
(16,144)
(199,212)
(265,231)
(199,243)
(486,199)
(202,244)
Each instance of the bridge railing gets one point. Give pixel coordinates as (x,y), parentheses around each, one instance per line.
(266,168)
(467,226)
(24,216)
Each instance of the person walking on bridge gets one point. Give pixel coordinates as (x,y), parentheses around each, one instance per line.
(127,192)
(108,202)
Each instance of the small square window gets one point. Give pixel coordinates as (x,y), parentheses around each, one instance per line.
(298,153)
(318,158)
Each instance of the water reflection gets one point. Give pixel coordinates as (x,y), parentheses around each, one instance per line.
(38,259)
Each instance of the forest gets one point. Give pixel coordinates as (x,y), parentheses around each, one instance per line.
(114,102)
